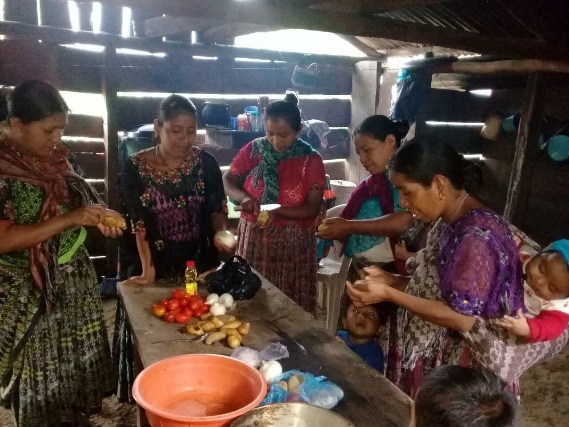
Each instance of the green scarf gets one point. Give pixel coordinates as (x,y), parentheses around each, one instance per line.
(270,159)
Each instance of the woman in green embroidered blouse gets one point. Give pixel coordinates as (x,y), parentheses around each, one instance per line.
(55,361)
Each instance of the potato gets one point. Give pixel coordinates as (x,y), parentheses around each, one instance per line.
(283,385)
(205,316)
(294,383)
(112,221)
(226,318)
(231,333)
(195,330)
(207,326)
(244,328)
(217,321)
(323,227)
(233,341)
(214,337)
(263,218)
(234,324)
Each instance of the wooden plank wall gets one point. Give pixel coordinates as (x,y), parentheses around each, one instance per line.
(548,210)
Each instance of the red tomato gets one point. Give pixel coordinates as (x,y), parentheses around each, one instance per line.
(198,311)
(184,301)
(173,304)
(182,318)
(165,302)
(196,303)
(187,310)
(170,317)
(206,308)
(158,310)
(178,293)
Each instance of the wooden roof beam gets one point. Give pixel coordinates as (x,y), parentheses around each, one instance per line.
(257,11)
(62,36)
(372,7)
(163,26)
(229,31)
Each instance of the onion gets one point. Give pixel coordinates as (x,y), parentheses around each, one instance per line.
(270,370)
(217,309)
(226,299)
(211,298)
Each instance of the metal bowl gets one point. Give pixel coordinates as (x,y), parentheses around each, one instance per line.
(291,415)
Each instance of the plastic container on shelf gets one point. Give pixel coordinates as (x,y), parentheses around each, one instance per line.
(255,122)
(243,123)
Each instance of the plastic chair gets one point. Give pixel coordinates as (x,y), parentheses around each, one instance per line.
(332,274)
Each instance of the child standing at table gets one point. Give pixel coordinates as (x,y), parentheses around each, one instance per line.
(546,294)
(361,334)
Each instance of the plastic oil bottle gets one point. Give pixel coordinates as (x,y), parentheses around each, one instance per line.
(191,275)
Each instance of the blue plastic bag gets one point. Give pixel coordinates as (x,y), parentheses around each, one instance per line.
(314,390)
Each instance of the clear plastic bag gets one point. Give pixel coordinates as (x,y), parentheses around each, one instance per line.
(314,390)
(252,357)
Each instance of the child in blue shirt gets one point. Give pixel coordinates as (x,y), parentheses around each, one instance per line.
(362,328)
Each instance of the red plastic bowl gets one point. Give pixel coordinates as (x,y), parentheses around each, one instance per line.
(204,390)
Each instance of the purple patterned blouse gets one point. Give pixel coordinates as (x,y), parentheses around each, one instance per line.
(479,267)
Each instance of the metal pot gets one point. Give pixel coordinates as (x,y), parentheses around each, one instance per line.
(215,114)
(291,414)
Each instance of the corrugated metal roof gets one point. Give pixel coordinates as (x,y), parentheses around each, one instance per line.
(522,19)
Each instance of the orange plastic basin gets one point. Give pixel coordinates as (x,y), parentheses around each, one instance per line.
(205,390)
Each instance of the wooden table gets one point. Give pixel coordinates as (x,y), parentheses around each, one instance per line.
(369,398)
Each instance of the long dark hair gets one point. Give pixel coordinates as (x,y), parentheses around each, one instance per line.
(454,395)
(174,105)
(31,101)
(423,158)
(286,110)
(378,127)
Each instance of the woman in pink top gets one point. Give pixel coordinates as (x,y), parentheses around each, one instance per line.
(280,168)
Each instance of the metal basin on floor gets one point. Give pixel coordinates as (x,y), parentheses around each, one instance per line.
(291,415)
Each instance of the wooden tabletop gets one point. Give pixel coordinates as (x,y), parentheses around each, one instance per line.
(369,398)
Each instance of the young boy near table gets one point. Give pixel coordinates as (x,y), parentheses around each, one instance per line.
(546,294)
(361,333)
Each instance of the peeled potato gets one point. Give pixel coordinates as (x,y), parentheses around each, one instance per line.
(113,221)
(233,341)
(323,227)
(263,218)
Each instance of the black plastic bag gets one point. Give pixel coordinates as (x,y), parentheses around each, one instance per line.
(236,278)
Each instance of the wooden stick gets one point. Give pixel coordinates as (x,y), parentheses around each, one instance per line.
(508,66)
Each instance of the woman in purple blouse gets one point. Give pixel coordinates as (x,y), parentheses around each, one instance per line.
(470,268)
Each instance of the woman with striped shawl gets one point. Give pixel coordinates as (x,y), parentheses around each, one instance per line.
(280,168)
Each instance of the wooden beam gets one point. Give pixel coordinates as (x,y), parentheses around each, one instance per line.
(527,151)
(507,66)
(360,45)
(60,35)
(228,31)
(111,140)
(257,11)
(162,26)
(372,6)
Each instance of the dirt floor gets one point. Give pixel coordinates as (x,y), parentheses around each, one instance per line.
(545,394)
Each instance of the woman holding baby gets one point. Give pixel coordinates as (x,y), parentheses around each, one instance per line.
(468,275)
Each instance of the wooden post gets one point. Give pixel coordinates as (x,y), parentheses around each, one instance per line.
(54,14)
(526,153)
(109,86)
(111,19)
(85,13)
(365,99)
